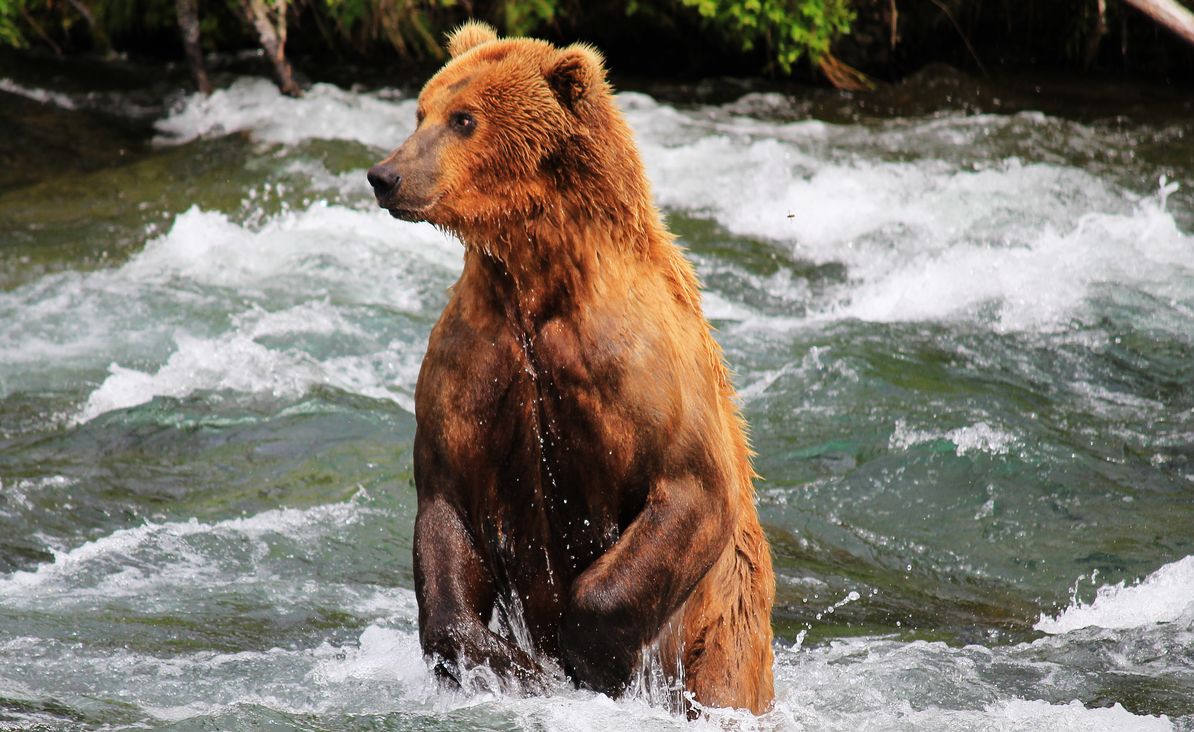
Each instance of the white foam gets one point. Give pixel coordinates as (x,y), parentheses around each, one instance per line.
(236,362)
(382,654)
(129,562)
(1074,717)
(216,305)
(925,239)
(43,96)
(108,102)
(1039,283)
(861,683)
(334,251)
(1165,596)
(978,437)
(325,112)
(17,493)
(717,307)
(329,244)
(882,684)
(1028,244)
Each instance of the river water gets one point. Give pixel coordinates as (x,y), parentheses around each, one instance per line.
(961,323)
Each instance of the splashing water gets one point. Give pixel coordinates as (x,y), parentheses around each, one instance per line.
(962,341)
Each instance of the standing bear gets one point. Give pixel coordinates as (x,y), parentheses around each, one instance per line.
(581,467)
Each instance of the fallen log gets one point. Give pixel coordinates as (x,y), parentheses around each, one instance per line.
(1170,14)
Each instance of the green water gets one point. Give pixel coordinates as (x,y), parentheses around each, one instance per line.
(960,315)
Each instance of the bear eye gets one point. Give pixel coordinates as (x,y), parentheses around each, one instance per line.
(463,122)
(419,116)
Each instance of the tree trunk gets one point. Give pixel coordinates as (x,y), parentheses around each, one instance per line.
(1096,36)
(1169,14)
(273,40)
(188,26)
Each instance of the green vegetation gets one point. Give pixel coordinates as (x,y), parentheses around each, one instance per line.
(780,32)
(888,38)
(10,33)
(786,30)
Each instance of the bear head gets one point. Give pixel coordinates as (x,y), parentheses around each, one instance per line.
(507,131)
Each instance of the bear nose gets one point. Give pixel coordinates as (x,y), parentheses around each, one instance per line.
(383,178)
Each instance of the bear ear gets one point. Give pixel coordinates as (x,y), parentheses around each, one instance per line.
(470,35)
(574,73)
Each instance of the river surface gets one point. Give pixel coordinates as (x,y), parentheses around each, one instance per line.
(960,315)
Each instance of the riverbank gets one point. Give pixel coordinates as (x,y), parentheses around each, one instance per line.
(889,40)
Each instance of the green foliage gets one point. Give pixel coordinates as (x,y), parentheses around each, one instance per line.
(785,29)
(10,33)
(521,18)
(24,21)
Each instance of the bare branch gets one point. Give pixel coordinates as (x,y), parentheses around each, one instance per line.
(1169,14)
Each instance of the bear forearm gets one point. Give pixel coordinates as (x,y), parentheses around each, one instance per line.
(622,602)
(455,593)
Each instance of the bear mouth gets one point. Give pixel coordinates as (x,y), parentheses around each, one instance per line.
(408,214)
(413,213)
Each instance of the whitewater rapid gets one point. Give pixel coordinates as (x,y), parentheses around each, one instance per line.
(301,298)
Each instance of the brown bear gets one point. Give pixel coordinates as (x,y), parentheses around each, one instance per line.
(581,466)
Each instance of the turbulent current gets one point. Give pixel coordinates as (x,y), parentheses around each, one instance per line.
(962,333)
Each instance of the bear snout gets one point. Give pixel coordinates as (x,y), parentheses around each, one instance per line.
(385,181)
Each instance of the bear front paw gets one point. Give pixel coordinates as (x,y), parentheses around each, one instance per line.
(595,654)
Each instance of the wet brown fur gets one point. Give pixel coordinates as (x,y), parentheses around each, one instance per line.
(580,460)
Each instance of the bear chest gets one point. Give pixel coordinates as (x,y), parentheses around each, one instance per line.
(537,433)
